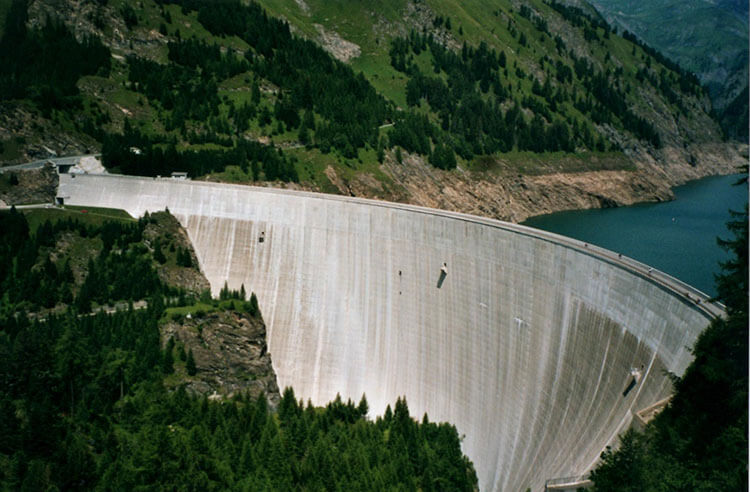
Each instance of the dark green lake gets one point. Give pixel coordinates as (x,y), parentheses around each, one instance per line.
(677,237)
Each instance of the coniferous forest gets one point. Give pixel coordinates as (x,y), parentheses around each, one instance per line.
(314,84)
(232,86)
(83,404)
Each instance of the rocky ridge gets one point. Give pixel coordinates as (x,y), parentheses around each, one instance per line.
(230,353)
(29,186)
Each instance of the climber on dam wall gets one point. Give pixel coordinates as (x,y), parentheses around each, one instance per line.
(443,274)
(636,377)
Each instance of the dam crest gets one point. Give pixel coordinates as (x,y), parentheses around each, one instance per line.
(527,341)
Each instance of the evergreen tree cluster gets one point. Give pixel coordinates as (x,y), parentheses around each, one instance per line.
(188,93)
(250,306)
(699,442)
(136,153)
(577,16)
(60,381)
(122,270)
(467,93)
(184,258)
(311,79)
(44,64)
(120,275)
(348,109)
(688,82)
(473,96)
(670,76)
(83,404)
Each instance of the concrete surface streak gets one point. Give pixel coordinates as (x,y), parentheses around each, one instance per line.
(527,346)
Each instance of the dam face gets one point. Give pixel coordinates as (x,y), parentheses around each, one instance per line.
(526,344)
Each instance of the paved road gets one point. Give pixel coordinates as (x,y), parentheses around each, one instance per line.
(72,160)
(33,205)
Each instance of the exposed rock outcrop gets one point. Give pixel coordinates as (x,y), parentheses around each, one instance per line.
(230,352)
(27,186)
(511,194)
(165,232)
(337,46)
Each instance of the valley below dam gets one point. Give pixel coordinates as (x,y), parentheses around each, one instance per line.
(526,341)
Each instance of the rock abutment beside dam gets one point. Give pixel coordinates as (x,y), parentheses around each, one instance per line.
(526,342)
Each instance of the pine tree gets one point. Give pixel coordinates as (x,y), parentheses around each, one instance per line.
(168,357)
(363,406)
(380,150)
(255,91)
(254,309)
(159,254)
(190,364)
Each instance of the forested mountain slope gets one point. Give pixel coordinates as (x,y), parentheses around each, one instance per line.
(150,397)
(485,107)
(709,38)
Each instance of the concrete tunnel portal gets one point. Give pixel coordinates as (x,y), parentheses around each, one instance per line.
(525,340)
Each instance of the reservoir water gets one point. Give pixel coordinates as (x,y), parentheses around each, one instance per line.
(677,237)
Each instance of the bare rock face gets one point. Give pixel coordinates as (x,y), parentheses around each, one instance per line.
(337,46)
(38,138)
(165,232)
(230,352)
(508,192)
(28,186)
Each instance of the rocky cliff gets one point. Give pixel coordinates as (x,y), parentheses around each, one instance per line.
(507,191)
(28,186)
(230,353)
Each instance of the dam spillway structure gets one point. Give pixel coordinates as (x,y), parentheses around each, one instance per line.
(527,341)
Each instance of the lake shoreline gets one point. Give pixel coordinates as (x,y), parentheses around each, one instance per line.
(514,196)
(677,237)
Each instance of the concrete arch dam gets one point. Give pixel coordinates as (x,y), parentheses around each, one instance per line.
(527,344)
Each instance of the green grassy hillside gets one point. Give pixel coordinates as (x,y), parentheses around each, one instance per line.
(233,92)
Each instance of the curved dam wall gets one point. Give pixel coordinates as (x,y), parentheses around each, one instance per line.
(526,345)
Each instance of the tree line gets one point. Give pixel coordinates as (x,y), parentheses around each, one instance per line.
(134,152)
